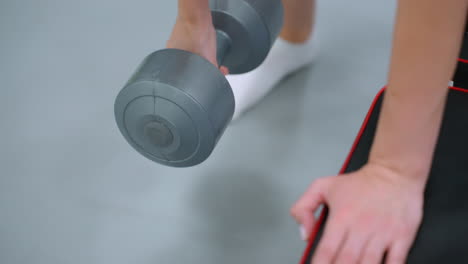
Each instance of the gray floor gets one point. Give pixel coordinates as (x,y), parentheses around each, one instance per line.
(73,191)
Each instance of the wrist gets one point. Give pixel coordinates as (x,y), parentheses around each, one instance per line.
(414,174)
(196,18)
(195,26)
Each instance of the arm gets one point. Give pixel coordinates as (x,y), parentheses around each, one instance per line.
(194,31)
(359,229)
(427,41)
(194,11)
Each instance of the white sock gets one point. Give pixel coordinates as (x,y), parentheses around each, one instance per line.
(284,58)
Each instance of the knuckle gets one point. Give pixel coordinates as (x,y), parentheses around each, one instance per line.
(321,181)
(372,257)
(348,256)
(345,216)
(394,226)
(367,221)
(325,253)
(318,183)
(404,230)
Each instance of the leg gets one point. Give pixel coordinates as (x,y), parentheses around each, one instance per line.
(295,49)
(298,20)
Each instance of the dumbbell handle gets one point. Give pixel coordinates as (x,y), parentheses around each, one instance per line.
(223,45)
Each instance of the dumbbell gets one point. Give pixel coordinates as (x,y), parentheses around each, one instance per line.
(177,104)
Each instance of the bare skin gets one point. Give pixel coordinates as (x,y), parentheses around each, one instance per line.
(427,40)
(194,31)
(299,20)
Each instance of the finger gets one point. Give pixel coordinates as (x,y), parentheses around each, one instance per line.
(331,242)
(304,209)
(307,225)
(353,247)
(374,250)
(311,200)
(398,252)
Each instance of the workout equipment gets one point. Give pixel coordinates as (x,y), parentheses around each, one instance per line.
(443,235)
(176,106)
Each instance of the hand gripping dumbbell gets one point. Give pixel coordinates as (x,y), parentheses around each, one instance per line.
(176,106)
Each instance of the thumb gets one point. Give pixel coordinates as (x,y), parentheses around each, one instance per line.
(303,210)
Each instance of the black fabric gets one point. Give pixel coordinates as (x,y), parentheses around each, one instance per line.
(443,237)
(461,75)
(464,50)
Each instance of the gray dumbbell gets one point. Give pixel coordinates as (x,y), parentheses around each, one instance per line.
(176,106)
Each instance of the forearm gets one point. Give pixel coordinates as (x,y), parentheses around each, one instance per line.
(194,10)
(427,39)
